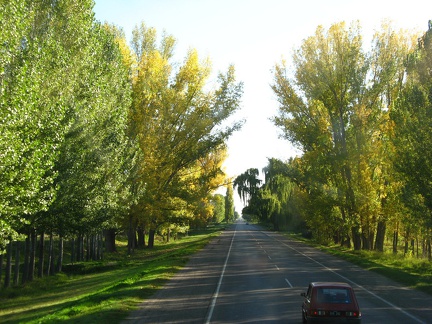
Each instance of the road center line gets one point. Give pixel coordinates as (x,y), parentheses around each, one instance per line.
(352,282)
(216,294)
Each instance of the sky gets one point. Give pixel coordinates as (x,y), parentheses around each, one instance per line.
(254,35)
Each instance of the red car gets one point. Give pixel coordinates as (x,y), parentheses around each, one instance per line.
(330,302)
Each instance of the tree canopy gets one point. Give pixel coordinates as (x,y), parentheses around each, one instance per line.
(100,137)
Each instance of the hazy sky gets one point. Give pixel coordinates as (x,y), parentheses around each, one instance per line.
(254,35)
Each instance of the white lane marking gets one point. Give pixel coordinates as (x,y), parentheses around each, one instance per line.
(277,268)
(216,294)
(289,283)
(352,282)
(269,257)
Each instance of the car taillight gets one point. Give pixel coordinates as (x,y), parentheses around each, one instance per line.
(316,312)
(352,314)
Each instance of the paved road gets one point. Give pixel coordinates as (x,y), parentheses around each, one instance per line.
(252,276)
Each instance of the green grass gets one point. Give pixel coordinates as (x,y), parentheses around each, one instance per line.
(410,271)
(100,292)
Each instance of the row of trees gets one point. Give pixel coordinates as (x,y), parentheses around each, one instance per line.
(100,137)
(363,122)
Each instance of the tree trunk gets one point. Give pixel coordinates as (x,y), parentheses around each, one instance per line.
(97,247)
(94,246)
(8,269)
(26,260)
(110,235)
(80,248)
(17,263)
(32,255)
(380,236)
(41,260)
(406,246)
(87,243)
(371,240)
(88,247)
(141,237)
(73,256)
(424,252)
(131,237)
(100,246)
(429,249)
(356,237)
(50,256)
(395,241)
(1,268)
(365,242)
(60,257)
(151,237)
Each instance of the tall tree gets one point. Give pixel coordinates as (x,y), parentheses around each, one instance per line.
(412,136)
(334,110)
(64,99)
(247,184)
(229,204)
(218,202)
(175,120)
(280,186)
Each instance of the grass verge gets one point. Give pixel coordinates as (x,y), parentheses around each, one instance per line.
(100,292)
(410,271)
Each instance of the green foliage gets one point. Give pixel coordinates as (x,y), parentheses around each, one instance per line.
(336,110)
(92,165)
(412,137)
(413,272)
(229,204)
(179,126)
(277,200)
(64,96)
(112,289)
(219,208)
(247,184)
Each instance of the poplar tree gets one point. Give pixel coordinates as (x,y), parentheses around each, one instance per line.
(229,204)
(176,122)
(64,95)
(335,109)
(412,138)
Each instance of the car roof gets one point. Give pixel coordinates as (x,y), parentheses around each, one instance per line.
(330,284)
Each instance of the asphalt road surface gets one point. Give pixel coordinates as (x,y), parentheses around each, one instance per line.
(248,275)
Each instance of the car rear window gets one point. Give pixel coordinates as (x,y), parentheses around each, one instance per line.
(333,296)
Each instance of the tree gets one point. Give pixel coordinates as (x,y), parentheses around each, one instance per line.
(28,129)
(335,111)
(280,186)
(229,204)
(176,123)
(412,137)
(64,98)
(218,202)
(96,156)
(37,89)
(247,184)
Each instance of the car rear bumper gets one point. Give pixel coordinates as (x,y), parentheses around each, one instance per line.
(333,320)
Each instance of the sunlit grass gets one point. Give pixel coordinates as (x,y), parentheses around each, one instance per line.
(100,292)
(408,270)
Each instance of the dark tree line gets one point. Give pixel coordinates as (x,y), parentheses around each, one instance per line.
(100,138)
